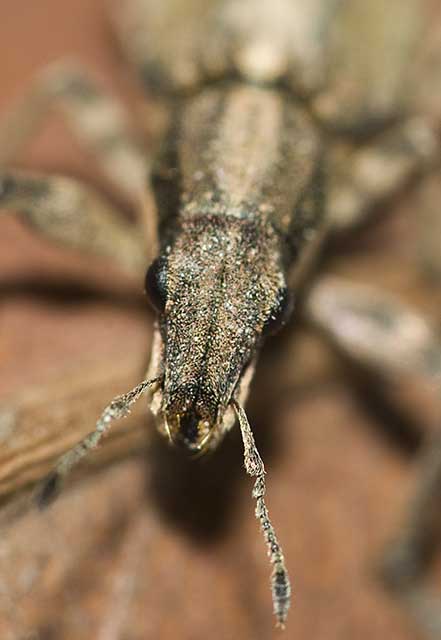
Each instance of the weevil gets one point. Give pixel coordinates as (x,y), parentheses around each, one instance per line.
(281,131)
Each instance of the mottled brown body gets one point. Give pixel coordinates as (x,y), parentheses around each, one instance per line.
(254,90)
(238,194)
(241,163)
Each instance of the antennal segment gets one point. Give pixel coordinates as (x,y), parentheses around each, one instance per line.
(118,408)
(280,584)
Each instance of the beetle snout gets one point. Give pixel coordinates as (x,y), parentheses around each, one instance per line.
(190,430)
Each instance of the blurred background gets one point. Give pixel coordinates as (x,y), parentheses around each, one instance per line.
(142,545)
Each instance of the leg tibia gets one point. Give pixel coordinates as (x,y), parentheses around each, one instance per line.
(71,214)
(96,118)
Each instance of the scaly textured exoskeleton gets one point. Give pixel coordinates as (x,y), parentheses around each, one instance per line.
(281,130)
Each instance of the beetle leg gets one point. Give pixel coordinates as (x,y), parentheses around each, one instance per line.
(361,178)
(74,215)
(100,123)
(398,348)
(385,338)
(357,98)
(169,58)
(97,119)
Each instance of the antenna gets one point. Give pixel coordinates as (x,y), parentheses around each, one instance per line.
(280,584)
(118,408)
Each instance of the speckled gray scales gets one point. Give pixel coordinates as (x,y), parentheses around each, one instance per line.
(286,122)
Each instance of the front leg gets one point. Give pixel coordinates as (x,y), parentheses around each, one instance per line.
(101,124)
(403,355)
(74,215)
(362,178)
(382,335)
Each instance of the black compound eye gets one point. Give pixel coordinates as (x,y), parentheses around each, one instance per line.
(280,313)
(156,283)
